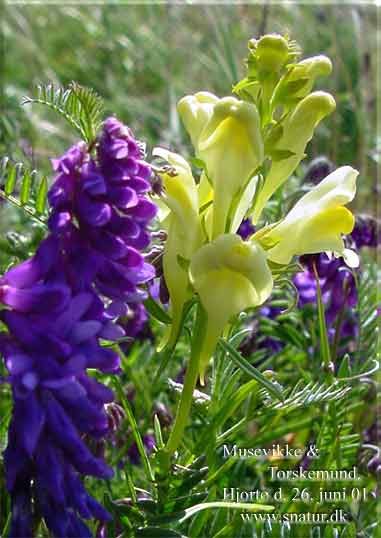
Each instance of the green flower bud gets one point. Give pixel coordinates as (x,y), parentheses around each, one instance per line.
(299,80)
(271,53)
(297,131)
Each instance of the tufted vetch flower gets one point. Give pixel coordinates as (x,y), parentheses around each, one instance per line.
(59,307)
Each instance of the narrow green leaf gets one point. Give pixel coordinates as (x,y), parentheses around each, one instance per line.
(157,532)
(134,427)
(7,526)
(326,352)
(158,434)
(157,311)
(42,192)
(25,187)
(11,180)
(242,363)
(234,401)
(345,367)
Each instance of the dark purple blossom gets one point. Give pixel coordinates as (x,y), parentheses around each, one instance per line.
(101,213)
(367,232)
(318,169)
(84,278)
(339,293)
(246,229)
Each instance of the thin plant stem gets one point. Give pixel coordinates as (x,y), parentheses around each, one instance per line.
(190,381)
(339,324)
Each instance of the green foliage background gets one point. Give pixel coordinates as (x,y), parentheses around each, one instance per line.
(142,58)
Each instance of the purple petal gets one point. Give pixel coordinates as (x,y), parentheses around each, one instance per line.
(29,418)
(84,330)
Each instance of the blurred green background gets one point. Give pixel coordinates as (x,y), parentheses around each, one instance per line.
(143,58)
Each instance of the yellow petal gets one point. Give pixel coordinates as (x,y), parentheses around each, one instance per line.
(195,111)
(232,148)
(184,233)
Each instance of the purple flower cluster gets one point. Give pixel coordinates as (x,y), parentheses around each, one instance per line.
(76,290)
(101,212)
(367,232)
(337,284)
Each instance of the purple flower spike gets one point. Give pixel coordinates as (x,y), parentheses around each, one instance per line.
(58,311)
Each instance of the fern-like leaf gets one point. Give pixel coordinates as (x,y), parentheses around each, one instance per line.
(24,188)
(311,394)
(81,107)
(368,319)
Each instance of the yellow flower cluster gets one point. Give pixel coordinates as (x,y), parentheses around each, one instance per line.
(248,147)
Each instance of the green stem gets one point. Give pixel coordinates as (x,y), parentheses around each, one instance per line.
(135,430)
(323,333)
(191,376)
(339,324)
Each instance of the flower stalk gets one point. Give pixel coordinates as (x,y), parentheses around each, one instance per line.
(190,381)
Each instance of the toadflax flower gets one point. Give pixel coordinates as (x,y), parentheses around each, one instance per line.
(228,263)
(246,149)
(229,142)
(184,233)
(59,305)
(317,221)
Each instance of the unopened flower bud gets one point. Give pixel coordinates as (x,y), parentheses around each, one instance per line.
(271,52)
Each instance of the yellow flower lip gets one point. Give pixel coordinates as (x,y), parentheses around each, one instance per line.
(317,221)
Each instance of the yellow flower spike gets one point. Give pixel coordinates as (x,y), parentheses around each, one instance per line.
(232,148)
(317,221)
(229,275)
(298,130)
(184,233)
(195,111)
